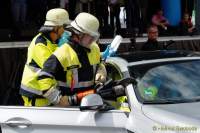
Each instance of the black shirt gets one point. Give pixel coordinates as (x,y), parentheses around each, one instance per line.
(151,45)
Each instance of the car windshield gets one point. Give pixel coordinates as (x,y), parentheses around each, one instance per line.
(171,83)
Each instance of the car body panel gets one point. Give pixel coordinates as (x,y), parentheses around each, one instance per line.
(174,114)
(147,118)
(62,120)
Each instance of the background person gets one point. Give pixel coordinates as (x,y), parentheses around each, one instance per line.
(159,20)
(114,15)
(186,26)
(152,43)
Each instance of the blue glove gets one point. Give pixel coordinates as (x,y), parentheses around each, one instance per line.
(105,54)
(108,53)
(112,48)
(64,39)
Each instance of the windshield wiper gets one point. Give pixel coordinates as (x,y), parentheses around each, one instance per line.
(160,102)
(169,101)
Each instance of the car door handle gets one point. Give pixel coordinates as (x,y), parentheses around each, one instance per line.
(18,122)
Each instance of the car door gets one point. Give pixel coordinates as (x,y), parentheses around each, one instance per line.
(15,119)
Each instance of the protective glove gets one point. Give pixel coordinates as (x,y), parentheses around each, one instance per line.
(54,96)
(68,101)
(112,48)
(101,74)
(106,54)
(64,101)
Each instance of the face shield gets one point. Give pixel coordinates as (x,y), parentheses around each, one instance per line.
(86,40)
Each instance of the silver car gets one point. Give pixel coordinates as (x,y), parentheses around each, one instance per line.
(163,96)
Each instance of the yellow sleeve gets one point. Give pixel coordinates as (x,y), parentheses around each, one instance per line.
(40,54)
(66,56)
(95,55)
(47,83)
(46,80)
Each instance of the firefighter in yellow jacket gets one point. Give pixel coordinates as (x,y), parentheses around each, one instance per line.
(74,67)
(41,47)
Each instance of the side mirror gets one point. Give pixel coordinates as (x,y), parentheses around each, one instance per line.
(91,102)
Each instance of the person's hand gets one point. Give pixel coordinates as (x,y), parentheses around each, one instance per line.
(190,30)
(101,74)
(163,26)
(64,102)
(100,79)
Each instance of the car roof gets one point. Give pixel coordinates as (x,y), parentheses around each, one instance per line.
(152,55)
(177,59)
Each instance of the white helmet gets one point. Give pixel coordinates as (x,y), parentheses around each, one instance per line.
(57,17)
(86,23)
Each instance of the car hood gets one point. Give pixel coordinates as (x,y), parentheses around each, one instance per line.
(174,114)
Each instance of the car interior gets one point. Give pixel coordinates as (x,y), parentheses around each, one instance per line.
(115,76)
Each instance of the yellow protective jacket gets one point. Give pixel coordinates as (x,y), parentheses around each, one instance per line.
(71,68)
(38,52)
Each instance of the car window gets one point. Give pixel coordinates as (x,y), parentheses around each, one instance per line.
(175,82)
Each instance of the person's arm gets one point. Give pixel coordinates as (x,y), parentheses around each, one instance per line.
(191,26)
(40,54)
(47,77)
(101,73)
(166,22)
(190,30)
